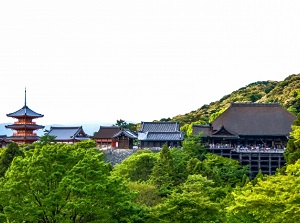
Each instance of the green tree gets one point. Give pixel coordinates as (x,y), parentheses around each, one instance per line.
(87,144)
(188,128)
(194,166)
(215,115)
(180,160)
(198,200)
(64,183)
(259,176)
(292,152)
(8,155)
(137,167)
(162,173)
(222,170)
(148,194)
(124,125)
(193,147)
(47,139)
(274,198)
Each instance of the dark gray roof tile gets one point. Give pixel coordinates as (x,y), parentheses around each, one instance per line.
(161,136)
(67,133)
(251,119)
(159,127)
(25,111)
(106,132)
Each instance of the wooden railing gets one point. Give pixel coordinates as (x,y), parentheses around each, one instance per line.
(27,123)
(247,149)
(24,134)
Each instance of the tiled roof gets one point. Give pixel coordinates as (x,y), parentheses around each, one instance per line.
(126,132)
(68,133)
(25,111)
(205,130)
(253,119)
(161,136)
(106,132)
(159,127)
(23,126)
(3,138)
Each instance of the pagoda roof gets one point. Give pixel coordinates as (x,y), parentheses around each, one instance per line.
(23,138)
(25,126)
(25,111)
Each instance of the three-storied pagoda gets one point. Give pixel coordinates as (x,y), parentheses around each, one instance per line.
(24,127)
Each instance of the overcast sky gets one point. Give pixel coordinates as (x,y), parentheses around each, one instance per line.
(100,61)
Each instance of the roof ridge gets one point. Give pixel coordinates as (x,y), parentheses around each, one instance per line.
(242,104)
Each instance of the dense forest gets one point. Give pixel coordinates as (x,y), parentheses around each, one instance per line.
(54,182)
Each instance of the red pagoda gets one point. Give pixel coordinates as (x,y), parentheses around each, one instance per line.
(24,127)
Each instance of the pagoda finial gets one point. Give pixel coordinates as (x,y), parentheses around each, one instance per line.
(25,97)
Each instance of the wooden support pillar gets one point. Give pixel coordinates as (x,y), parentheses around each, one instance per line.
(259,161)
(279,162)
(270,164)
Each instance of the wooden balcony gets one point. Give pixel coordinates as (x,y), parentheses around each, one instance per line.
(245,149)
(24,134)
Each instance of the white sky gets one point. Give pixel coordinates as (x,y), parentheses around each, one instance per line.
(99,61)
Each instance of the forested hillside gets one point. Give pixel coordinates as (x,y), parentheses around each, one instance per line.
(286,93)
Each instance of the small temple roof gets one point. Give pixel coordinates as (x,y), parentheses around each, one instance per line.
(159,127)
(160,131)
(106,132)
(68,133)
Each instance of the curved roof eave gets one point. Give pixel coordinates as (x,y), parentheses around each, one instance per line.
(25,112)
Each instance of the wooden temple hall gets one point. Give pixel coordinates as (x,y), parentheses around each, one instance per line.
(255,134)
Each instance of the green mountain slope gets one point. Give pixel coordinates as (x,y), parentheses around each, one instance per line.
(286,93)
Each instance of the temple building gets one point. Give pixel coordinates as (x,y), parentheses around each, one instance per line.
(104,137)
(255,134)
(24,126)
(156,134)
(68,134)
(114,137)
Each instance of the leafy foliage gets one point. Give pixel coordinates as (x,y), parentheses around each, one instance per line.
(196,201)
(222,170)
(273,198)
(137,167)
(193,147)
(292,153)
(8,156)
(64,183)
(162,172)
(124,125)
